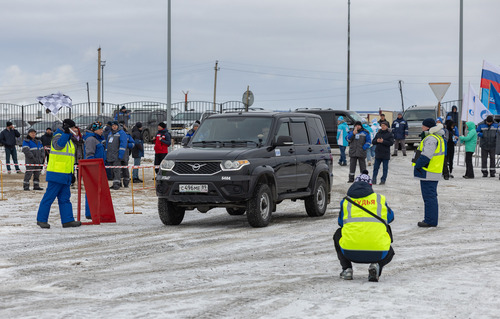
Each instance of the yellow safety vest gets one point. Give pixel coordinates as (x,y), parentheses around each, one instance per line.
(362,231)
(62,161)
(437,161)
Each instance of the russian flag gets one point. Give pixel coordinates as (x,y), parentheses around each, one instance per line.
(490,76)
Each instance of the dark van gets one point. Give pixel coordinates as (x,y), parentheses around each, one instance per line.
(330,117)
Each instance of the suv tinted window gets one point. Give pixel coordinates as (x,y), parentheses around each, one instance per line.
(233,129)
(299,133)
(284,129)
(316,131)
(419,115)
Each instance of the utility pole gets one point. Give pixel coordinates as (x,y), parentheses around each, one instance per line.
(169,69)
(185,100)
(215,83)
(401,92)
(460,67)
(103,63)
(99,80)
(88,98)
(348,52)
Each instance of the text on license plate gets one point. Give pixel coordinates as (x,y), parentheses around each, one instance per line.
(193,188)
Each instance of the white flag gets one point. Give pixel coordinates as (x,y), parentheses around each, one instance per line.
(54,102)
(473,109)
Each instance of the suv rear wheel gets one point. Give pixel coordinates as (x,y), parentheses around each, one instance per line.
(317,202)
(235,211)
(260,207)
(169,213)
(146,136)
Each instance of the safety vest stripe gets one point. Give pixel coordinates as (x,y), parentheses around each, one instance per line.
(122,148)
(379,206)
(361,219)
(349,208)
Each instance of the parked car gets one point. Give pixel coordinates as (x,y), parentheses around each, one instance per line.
(414,117)
(183,121)
(41,126)
(85,121)
(248,163)
(150,120)
(330,119)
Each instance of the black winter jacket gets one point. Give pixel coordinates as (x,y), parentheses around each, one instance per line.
(383,150)
(8,137)
(138,149)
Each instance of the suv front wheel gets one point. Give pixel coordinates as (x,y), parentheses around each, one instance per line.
(169,213)
(317,202)
(260,207)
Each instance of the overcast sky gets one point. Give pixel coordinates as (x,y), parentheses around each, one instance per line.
(291,53)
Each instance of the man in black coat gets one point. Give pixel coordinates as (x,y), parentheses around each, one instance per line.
(383,141)
(137,151)
(8,139)
(46,139)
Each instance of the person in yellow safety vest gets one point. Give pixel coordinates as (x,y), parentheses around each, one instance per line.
(59,174)
(428,167)
(362,237)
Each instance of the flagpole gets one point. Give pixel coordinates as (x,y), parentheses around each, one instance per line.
(489,94)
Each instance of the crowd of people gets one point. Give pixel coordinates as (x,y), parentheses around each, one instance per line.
(56,154)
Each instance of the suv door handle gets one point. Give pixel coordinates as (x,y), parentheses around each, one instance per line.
(291,150)
(309,149)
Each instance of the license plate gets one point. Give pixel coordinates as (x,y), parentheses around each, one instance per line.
(193,188)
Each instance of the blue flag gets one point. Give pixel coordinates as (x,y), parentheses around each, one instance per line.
(494,103)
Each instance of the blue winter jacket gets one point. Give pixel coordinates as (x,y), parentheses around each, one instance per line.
(342,131)
(400,129)
(93,147)
(116,146)
(59,142)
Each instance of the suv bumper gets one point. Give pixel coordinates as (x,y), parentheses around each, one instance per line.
(221,190)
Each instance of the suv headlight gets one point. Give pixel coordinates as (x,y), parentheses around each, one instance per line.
(167,165)
(233,165)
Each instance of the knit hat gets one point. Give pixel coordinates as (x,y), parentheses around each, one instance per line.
(9,123)
(385,123)
(358,123)
(115,123)
(49,128)
(489,119)
(31,130)
(364,177)
(110,123)
(429,122)
(341,119)
(96,126)
(123,108)
(138,124)
(439,119)
(162,124)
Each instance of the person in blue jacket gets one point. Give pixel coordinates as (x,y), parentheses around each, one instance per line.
(59,174)
(116,147)
(400,132)
(93,148)
(487,131)
(369,152)
(359,141)
(342,131)
(363,238)
(34,154)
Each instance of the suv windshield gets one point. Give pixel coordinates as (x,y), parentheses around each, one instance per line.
(189,116)
(419,115)
(355,116)
(233,129)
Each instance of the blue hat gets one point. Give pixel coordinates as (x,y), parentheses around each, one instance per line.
(429,122)
(115,123)
(341,118)
(439,119)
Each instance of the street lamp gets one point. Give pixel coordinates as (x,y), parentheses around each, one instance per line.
(103,63)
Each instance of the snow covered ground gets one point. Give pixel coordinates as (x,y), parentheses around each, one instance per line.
(215,266)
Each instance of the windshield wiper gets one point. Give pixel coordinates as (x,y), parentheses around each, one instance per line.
(233,142)
(207,142)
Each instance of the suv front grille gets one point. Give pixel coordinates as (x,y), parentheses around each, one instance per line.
(196,168)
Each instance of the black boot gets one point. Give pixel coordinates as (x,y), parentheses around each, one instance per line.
(492,173)
(43,225)
(72,224)
(37,187)
(485,173)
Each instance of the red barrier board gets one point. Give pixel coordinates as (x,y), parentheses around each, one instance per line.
(94,177)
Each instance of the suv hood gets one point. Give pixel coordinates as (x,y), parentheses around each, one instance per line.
(210,153)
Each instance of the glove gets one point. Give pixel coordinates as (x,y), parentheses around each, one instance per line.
(65,128)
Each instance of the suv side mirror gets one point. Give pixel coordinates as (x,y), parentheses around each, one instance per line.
(185,140)
(284,141)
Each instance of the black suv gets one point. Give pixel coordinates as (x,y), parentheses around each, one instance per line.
(248,162)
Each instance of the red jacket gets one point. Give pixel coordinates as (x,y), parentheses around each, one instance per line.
(162,142)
